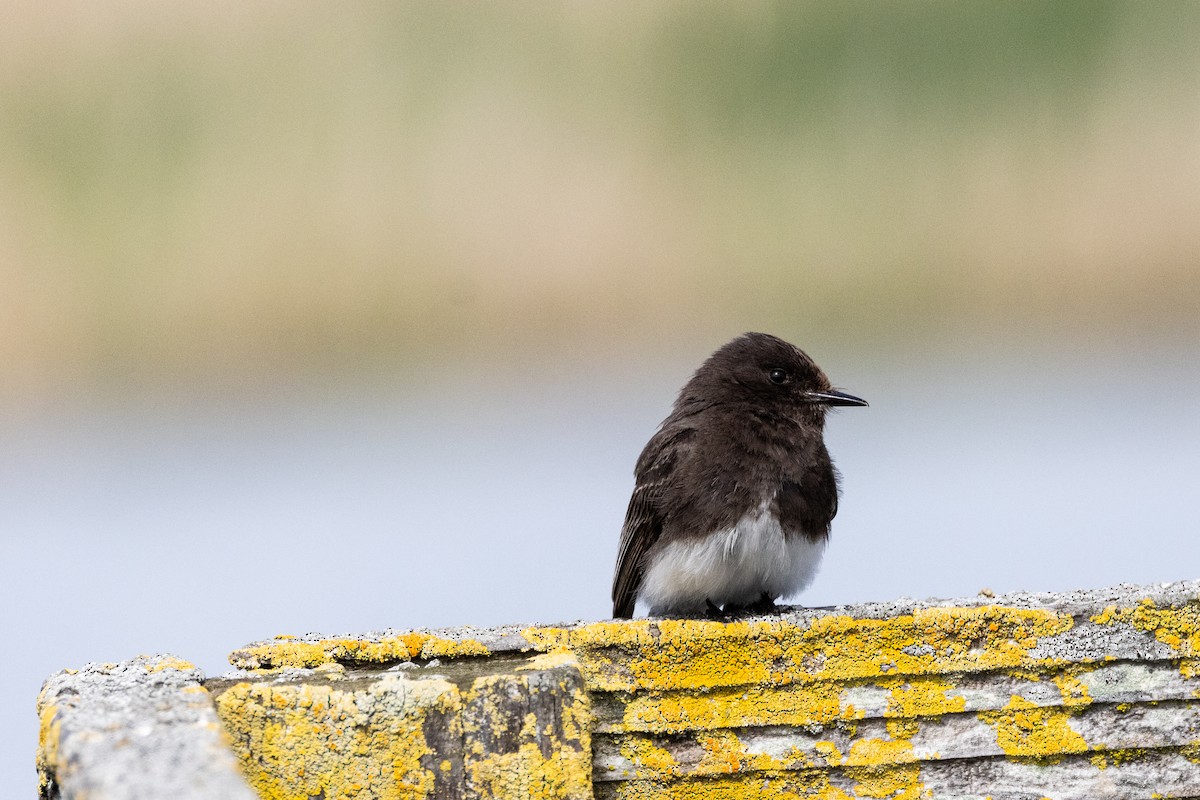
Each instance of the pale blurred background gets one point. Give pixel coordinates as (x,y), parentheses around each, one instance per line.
(340,317)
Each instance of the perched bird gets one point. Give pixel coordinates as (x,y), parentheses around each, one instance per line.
(735,492)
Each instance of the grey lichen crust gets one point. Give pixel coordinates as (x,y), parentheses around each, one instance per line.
(138,730)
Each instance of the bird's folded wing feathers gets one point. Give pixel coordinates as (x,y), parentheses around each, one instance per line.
(643,521)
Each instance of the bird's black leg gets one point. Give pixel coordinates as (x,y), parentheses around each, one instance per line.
(712,611)
(764,605)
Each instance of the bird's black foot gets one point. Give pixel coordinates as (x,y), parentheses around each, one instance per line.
(763,605)
(714,612)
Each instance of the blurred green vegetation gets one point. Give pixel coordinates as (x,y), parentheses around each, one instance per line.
(199,188)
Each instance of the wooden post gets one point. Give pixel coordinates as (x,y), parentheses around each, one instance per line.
(1088,695)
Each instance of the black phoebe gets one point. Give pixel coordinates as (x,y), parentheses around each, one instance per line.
(735,492)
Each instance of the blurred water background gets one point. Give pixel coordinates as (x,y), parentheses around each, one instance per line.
(336,318)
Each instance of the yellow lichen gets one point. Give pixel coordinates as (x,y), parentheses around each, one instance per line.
(924,696)
(48,737)
(168,662)
(647,757)
(1025,729)
(885,768)
(547,762)
(1074,691)
(1177,627)
(1126,756)
(802,785)
(291,652)
(902,728)
(549,661)
(679,654)
(296,741)
(828,751)
(529,774)
(897,783)
(880,752)
(724,753)
(735,707)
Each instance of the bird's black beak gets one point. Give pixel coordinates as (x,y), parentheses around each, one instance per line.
(833,397)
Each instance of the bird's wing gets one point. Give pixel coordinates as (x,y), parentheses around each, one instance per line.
(643,519)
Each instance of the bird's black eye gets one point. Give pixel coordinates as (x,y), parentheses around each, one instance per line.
(778,376)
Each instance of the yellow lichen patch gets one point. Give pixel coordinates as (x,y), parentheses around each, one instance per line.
(897,783)
(576,720)
(549,661)
(724,753)
(1115,758)
(789,786)
(427,646)
(720,753)
(880,752)
(677,654)
(1025,729)
(296,741)
(664,654)
(47,752)
(280,653)
(291,652)
(356,651)
(1074,691)
(527,773)
(902,727)
(537,754)
(830,752)
(645,755)
(169,662)
(736,707)
(1177,627)
(923,696)
(885,768)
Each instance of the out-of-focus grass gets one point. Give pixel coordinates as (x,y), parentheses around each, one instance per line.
(197,188)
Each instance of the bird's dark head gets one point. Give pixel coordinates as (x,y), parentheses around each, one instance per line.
(769,373)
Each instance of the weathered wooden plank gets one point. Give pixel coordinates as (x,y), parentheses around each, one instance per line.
(905,638)
(824,701)
(1121,776)
(138,730)
(487,728)
(527,733)
(1019,730)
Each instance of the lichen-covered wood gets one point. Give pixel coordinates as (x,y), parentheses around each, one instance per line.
(1077,696)
(504,727)
(1080,695)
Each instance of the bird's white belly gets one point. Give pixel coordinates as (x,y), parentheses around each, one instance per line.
(737,565)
